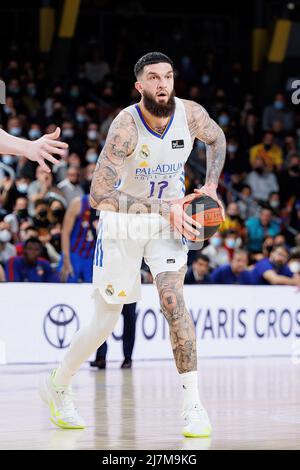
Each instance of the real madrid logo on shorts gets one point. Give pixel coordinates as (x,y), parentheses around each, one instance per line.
(109,290)
(144,152)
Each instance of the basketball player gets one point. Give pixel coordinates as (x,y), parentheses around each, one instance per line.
(78,241)
(37,151)
(138,185)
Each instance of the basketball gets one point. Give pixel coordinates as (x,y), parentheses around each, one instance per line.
(208,213)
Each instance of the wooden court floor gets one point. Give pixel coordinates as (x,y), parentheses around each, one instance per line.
(252,403)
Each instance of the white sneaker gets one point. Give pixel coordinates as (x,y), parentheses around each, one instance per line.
(196,421)
(60,401)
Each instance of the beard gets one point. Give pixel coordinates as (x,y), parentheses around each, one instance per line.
(159,109)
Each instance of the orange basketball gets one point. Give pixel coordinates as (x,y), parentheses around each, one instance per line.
(208,212)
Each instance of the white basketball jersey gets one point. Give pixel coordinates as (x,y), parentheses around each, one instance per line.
(156,168)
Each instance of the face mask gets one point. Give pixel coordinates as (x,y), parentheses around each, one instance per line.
(231,148)
(223,120)
(278,104)
(230,243)
(5,236)
(91,157)
(42,214)
(8,159)
(92,135)
(16,131)
(267,146)
(274,204)
(22,188)
(22,213)
(294,267)
(259,170)
(31,91)
(34,134)
(68,133)
(205,79)
(216,242)
(74,93)
(7,110)
(295,168)
(269,248)
(58,213)
(80,118)
(14,89)
(233,217)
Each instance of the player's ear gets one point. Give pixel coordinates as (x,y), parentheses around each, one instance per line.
(138,86)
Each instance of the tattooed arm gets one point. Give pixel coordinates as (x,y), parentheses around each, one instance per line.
(204,128)
(120,143)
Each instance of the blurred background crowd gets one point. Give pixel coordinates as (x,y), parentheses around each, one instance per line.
(260,183)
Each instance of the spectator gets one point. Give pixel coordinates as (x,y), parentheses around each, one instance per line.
(18,216)
(78,242)
(197,273)
(70,186)
(233,220)
(274,270)
(261,181)
(277,112)
(39,188)
(215,251)
(289,180)
(268,151)
(30,267)
(235,272)
(7,250)
(259,227)
(231,242)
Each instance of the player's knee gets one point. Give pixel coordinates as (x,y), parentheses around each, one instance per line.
(171,303)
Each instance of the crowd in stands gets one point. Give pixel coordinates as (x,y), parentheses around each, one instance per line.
(260,185)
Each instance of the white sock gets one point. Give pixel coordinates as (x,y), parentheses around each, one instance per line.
(189,382)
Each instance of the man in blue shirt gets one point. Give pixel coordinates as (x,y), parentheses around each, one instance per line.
(259,227)
(274,270)
(234,273)
(30,267)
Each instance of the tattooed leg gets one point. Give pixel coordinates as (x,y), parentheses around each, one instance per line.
(182,330)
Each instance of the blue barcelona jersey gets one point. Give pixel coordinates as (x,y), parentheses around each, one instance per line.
(82,236)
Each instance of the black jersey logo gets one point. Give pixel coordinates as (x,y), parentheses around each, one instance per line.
(177,144)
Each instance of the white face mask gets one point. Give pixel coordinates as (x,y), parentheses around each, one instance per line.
(294,267)
(5,236)
(92,135)
(22,187)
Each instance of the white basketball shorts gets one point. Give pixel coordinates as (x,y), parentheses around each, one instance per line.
(123,241)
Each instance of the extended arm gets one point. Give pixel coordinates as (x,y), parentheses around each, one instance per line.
(38,150)
(68,224)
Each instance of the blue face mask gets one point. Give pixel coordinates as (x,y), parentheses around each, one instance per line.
(231,148)
(205,79)
(230,243)
(223,120)
(278,104)
(15,131)
(8,159)
(80,118)
(216,242)
(91,157)
(34,134)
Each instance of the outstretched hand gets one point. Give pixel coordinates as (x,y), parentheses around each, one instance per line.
(43,149)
